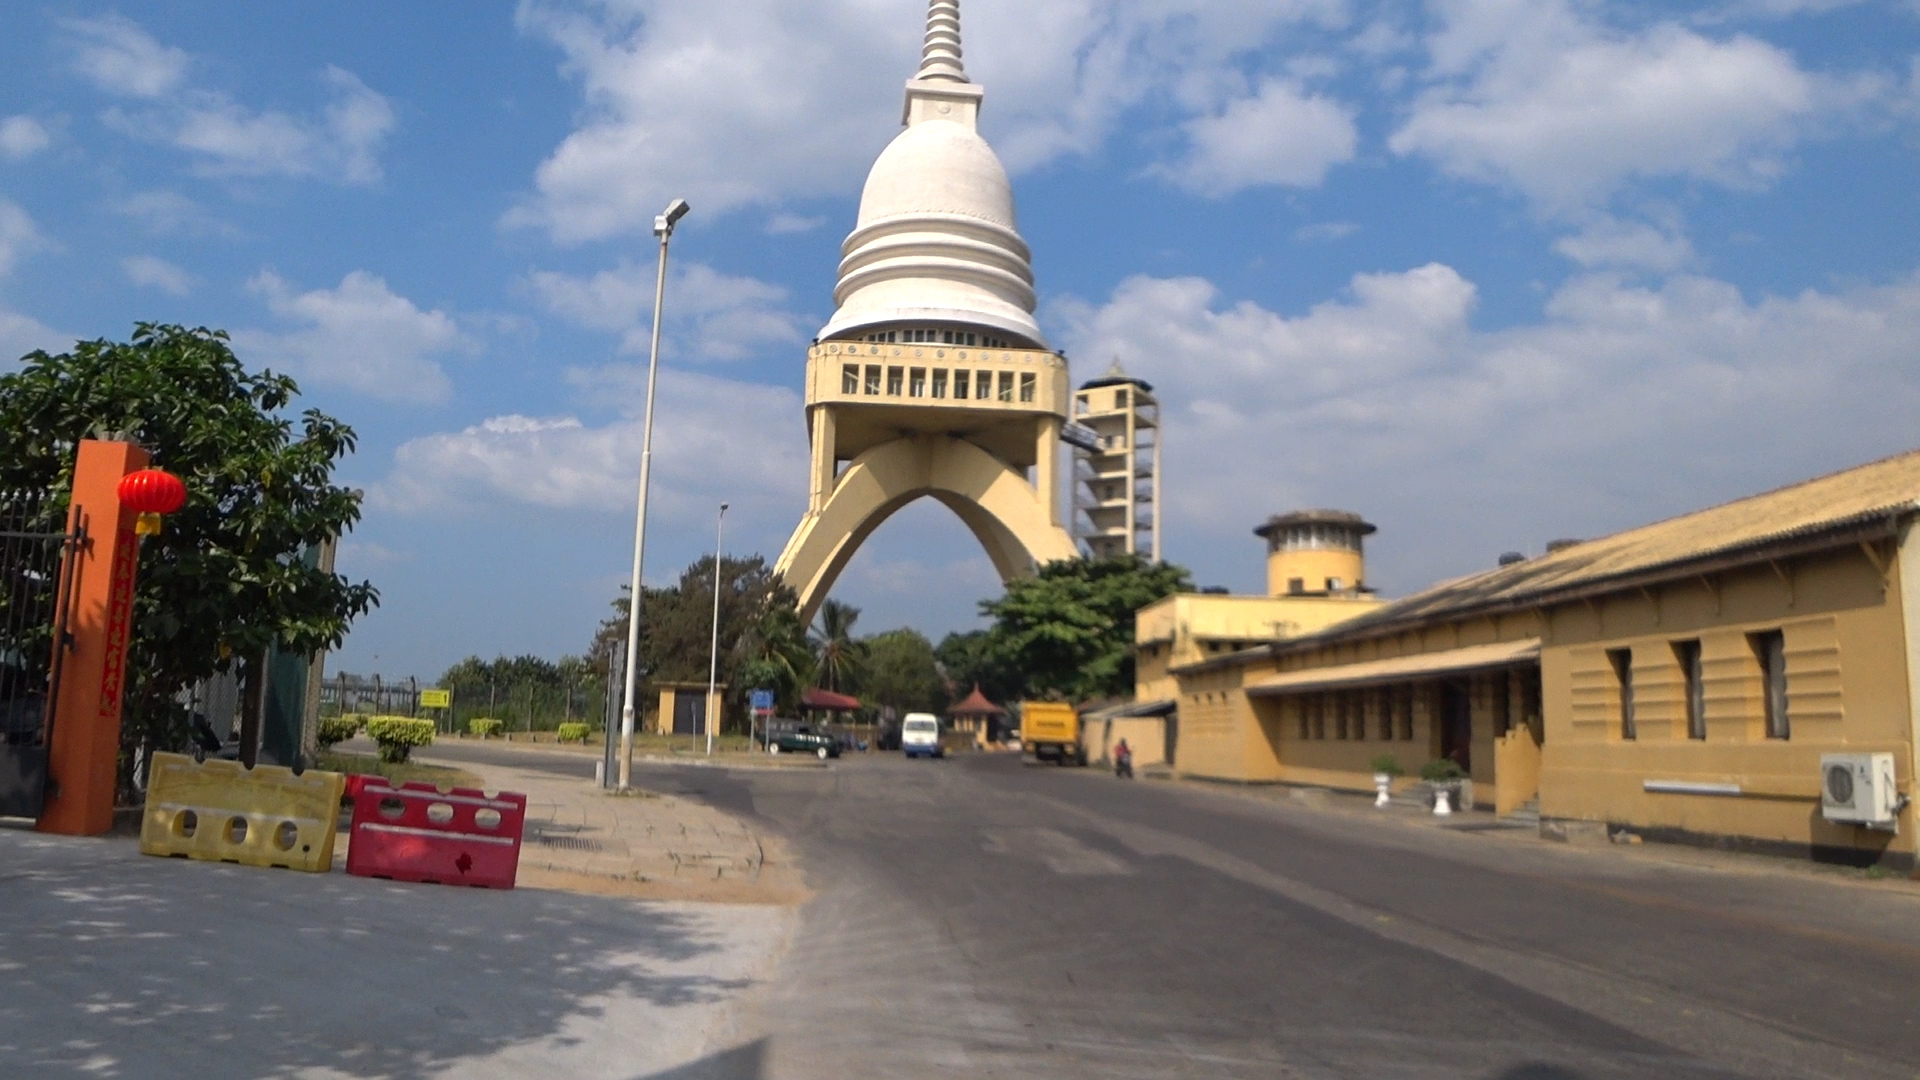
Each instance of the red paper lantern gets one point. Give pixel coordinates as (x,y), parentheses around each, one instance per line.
(150,493)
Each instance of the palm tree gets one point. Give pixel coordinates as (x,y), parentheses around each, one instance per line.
(838,658)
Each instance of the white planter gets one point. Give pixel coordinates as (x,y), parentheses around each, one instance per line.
(1442,798)
(1382,789)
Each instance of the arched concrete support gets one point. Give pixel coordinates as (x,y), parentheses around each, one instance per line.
(1012,521)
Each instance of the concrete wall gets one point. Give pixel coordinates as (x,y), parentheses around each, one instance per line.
(1847,689)
(1146,736)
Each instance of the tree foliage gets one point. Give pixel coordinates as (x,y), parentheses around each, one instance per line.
(762,643)
(969,659)
(839,659)
(1068,631)
(226,578)
(900,673)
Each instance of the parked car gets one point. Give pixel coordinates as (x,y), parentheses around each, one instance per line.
(802,741)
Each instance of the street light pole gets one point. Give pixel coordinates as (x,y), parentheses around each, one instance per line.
(713,652)
(662,228)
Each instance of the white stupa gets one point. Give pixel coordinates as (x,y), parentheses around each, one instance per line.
(932,380)
(936,242)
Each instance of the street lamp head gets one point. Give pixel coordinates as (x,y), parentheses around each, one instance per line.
(723,508)
(663,225)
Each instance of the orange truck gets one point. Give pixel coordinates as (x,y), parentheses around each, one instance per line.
(1051,731)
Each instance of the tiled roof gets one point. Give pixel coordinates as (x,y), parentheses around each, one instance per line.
(1863,502)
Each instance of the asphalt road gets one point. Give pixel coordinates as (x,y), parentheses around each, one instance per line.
(981,917)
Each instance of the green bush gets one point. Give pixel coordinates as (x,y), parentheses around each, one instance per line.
(1442,770)
(485,726)
(1389,765)
(574,732)
(398,735)
(335,729)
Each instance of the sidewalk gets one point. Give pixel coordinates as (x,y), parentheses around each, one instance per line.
(581,838)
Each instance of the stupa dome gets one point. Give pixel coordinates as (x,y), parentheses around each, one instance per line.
(936,242)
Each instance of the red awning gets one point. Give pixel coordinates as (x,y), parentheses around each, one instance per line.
(817,698)
(976,704)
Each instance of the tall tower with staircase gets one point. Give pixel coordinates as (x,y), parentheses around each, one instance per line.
(1116,466)
(932,379)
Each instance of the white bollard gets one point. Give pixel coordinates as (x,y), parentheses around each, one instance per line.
(1441,806)
(600,772)
(1382,783)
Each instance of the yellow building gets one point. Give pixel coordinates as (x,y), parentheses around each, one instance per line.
(1318,548)
(1685,680)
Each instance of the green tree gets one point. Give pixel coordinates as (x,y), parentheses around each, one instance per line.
(901,673)
(760,635)
(1068,630)
(838,657)
(969,659)
(226,578)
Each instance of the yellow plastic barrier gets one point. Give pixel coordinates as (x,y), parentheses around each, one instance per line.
(222,811)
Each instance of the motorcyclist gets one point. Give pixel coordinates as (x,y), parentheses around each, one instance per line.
(1123,760)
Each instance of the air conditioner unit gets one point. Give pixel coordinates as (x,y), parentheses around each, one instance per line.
(1859,789)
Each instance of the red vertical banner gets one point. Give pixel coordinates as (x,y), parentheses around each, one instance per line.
(84,753)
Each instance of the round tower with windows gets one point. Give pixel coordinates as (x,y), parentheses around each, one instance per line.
(1316,553)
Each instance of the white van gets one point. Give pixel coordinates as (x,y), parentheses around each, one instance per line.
(920,734)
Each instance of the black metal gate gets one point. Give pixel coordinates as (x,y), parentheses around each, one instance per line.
(36,591)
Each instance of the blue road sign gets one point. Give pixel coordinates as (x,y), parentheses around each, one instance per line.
(762,700)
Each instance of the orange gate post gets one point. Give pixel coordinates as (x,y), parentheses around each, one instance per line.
(84,752)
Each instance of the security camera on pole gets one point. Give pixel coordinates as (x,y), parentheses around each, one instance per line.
(662,228)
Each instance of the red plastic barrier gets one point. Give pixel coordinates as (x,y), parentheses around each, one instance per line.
(416,832)
(356,781)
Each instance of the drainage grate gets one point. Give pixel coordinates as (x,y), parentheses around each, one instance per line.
(569,843)
(1485,826)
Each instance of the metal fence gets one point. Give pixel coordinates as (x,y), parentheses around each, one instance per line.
(36,589)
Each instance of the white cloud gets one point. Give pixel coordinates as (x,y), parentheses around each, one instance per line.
(1323,231)
(117,55)
(230,139)
(166,213)
(1526,93)
(1279,135)
(1624,404)
(227,138)
(760,101)
(21,334)
(712,441)
(1628,244)
(361,335)
(711,315)
(154,272)
(18,235)
(786,224)
(21,137)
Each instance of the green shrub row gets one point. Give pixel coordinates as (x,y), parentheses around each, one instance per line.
(398,735)
(335,729)
(484,726)
(573,732)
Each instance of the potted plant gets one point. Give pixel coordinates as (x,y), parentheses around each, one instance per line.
(1386,768)
(1444,774)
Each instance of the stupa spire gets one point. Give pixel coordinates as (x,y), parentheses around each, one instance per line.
(940,54)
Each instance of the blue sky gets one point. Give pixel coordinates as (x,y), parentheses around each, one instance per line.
(1489,273)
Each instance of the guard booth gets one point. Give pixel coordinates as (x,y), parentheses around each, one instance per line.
(684,707)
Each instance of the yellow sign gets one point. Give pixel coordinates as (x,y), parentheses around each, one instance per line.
(436,699)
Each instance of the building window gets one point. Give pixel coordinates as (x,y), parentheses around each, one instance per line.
(917,382)
(1502,703)
(960,386)
(1360,700)
(1319,716)
(1296,586)
(983,386)
(1406,713)
(1026,386)
(850,378)
(1622,661)
(939,382)
(1300,715)
(1383,701)
(1770,648)
(895,377)
(1688,654)
(1006,386)
(1333,584)
(873,379)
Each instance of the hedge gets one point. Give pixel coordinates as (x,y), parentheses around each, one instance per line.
(484,726)
(398,735)
(335,729)
(573,732)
